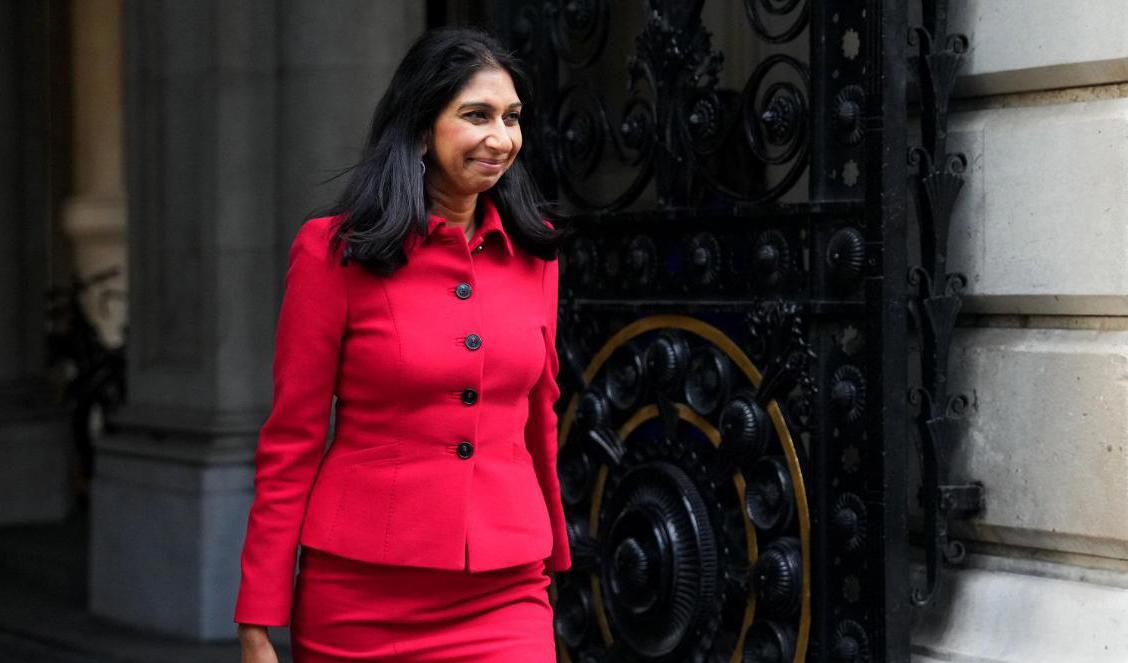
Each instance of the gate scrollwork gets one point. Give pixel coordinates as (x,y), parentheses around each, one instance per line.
(677,127)
(727,309)
(689,505)
(936,182)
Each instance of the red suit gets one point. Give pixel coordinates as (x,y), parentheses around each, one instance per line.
(444,449)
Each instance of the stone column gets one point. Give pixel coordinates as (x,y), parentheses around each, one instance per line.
(94,212)
(34,440)
(335,62)
(234,111)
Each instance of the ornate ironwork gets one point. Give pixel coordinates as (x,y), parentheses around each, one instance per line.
(935,302)
(677,127)
(682,497)
(732,326)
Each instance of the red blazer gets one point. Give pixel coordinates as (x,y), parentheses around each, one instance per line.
(444,449)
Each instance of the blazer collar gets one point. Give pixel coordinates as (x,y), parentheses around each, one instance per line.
(491,223)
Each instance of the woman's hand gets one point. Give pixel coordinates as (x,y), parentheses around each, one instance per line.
(256,645)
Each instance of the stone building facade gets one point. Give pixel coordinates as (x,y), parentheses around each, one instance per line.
(1041,233)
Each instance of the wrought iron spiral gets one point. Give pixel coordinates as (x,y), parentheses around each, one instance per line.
(848,393)
(581,266)
(703,254)
(594,410)
(768,497)
(769,641)
(667,360)
(775,115)
(575,470)
(744,428)
(579,30)
(705,122)
(851,644)
(640,262)
(582,131)
(572,616)
(626,377)
(845,257)
(849,108)
(708,381)
(760,10)
(848,522)
(664,563)
(580,135)
(771,258)
(778,577)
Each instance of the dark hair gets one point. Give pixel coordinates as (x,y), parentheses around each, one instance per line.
(385,197)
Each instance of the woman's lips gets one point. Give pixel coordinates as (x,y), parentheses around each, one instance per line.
(490,165)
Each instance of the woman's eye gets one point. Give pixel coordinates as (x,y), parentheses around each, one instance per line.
(477,115)
(513,118)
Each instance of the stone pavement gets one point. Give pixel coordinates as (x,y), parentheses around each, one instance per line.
(42,608)
(38,627)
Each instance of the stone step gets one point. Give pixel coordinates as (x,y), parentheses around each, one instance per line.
(1008,615)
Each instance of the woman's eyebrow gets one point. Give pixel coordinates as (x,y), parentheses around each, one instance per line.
(483,104)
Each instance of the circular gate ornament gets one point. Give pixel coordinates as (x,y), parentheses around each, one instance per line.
(686,505)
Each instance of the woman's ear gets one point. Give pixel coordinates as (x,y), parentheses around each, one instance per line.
(424,144)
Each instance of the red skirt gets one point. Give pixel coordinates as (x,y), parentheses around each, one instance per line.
(345,610)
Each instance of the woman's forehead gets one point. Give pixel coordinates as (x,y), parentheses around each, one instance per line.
(492,87)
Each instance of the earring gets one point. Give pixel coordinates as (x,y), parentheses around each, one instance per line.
(422,168)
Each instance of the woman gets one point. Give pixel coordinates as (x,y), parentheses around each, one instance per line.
(426,302)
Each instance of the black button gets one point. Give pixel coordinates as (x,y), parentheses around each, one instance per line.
(463,291)
(465,450)
(473,341)
(469,396)
(479,248)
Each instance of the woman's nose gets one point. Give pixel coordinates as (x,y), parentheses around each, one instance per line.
(498,138)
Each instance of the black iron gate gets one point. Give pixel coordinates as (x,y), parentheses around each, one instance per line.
(734,333)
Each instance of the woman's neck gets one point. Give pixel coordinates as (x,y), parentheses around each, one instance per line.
(457,210)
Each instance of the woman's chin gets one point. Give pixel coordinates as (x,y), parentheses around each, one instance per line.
(482,184)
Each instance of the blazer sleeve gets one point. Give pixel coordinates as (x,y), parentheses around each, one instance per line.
(541,428)
(291,443)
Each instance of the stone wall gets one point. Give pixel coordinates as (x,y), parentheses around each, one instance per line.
(34,445)
(1041,231)
(235,112)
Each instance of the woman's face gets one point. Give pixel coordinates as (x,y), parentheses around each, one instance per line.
(477,136)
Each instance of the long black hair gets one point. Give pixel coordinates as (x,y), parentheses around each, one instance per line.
(385,198)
